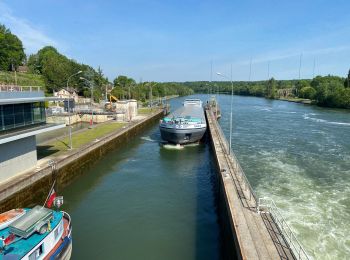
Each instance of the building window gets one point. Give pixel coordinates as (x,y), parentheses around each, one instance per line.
(20,115)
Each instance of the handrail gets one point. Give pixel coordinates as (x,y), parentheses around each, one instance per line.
(233,158)
(65,214)
(293,243)
(16,88)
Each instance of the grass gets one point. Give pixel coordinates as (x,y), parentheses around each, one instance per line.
(296,99)
(78,139)
(23,79)
(145,110)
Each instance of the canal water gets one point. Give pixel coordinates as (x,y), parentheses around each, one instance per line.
(143,201)
(298,155)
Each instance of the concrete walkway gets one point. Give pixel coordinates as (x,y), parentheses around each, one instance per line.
(257,235)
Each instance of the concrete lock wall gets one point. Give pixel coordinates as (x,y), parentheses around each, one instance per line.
(77,118)
(36,193)
(17,156)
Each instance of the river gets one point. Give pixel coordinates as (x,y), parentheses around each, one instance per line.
(146,202)
(298,155)
(143,201)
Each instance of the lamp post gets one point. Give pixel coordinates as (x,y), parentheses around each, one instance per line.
(70,128)
(151,86)
(91,99)
(224,76)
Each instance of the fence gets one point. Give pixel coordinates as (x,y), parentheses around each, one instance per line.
(262,203)
(11,88)
(265,204)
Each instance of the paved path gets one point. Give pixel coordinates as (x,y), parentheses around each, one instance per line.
(257,235)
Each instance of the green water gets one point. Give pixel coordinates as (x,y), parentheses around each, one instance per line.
(298,155)
(146,202)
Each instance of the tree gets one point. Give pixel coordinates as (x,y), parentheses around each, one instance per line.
(307,92)
(271,88)
(11,50)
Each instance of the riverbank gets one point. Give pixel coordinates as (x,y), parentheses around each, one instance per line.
(31,187)
(298,100)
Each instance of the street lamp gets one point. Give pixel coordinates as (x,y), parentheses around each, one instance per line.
(224,76)
(70,129)
(151,92)
(91,99)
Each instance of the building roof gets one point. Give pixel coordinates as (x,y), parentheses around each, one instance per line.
(23,133)
(18,97)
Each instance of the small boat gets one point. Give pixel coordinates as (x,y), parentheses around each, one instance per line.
(40,233)
(186,125)
(10,216)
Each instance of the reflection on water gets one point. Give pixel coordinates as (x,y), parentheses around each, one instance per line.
(299,155)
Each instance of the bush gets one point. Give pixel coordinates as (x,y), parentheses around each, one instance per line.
(307,92)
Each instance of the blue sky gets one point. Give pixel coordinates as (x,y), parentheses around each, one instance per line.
(176,40)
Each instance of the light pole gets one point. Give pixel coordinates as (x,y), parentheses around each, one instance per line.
(224,76)
(91,99)
(151,86)
(70,128)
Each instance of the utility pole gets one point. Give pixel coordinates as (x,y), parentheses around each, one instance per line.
(301,56)
(250,69)
(106,93)
(313,70)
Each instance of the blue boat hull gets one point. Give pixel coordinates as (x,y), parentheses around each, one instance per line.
(64,252)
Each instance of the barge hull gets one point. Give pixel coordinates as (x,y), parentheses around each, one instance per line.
(181,136)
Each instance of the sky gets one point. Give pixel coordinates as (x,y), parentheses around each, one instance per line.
(178,40)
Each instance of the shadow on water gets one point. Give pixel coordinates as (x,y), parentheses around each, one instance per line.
(207,237)
(92,179)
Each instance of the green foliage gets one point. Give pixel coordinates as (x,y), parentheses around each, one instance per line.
(23,79)
(307,92)
(57,68)
(271,88)
(143,91)
(11,50)
(330,92)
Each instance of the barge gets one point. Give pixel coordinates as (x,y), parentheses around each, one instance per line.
(185,125)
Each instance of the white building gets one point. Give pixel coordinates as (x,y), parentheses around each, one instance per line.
(128,107)
(64,93)
(22,117)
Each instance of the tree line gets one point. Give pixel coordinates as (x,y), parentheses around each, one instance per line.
(55,69)
(327,91)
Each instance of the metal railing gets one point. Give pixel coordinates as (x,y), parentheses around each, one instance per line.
(268,205)
(229,152)
(16,88)
(293,243)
